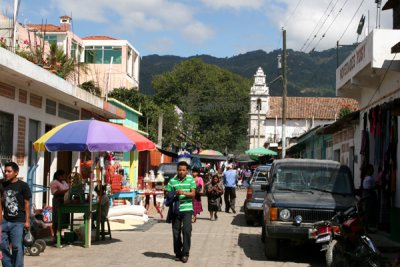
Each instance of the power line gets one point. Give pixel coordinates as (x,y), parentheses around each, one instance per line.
(330,25)
(316,34)
(292,14)
(362,1)
(308,38)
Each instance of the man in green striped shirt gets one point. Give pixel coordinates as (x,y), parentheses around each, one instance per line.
(185,187)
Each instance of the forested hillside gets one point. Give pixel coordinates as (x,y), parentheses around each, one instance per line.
(308,74)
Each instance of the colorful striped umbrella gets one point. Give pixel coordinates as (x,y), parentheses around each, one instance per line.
(92,135)
(210,152)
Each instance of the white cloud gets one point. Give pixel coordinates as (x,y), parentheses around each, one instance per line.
(160,46)
(301,23)
(129,16)
(235,4)
(197,32)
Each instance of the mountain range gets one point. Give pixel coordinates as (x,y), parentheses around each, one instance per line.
(309,74)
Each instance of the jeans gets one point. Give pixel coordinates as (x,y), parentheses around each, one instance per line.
(182,223)
(230,197)
(12,232)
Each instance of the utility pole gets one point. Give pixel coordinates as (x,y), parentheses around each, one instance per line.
(160,129)
(284,93)
(258,121)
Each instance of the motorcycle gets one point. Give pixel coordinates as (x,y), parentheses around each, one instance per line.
(345,242)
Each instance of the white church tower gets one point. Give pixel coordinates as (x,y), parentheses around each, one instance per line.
(259,101)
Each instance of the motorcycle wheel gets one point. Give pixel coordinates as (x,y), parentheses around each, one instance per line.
(42,243)
(335,255)
(34,250)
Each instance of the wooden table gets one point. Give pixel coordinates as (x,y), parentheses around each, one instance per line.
(76,208)
(124,194)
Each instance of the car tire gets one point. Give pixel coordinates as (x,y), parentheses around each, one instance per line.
(271,248)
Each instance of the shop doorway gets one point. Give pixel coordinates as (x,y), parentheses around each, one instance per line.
(46,170)
(33,136)
(351,160)
(336,155)
(64,161)
(6,137)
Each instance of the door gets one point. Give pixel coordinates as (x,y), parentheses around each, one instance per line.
(33,136)
(6,137)
(64,161)
(46,169)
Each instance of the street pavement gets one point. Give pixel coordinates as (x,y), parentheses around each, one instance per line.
(225,242)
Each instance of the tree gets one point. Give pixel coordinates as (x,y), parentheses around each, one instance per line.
(151,112)
(215,103)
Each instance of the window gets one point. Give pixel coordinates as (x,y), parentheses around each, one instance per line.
(74,46)
(51,39)
(114,52)
(258,104)
(6,137)
(67,112)
(51,107)
(103,54)
(330,179)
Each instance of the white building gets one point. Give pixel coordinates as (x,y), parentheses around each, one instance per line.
(371,75)
(303,113)
(33,101)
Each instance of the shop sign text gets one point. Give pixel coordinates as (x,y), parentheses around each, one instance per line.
(355,59)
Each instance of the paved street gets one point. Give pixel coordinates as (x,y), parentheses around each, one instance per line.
(226,242)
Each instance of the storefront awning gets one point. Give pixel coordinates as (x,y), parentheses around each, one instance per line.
(168,153)
(209,157)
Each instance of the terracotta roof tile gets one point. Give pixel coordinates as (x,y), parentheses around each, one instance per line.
(48,27)
(98,37)
(326,108)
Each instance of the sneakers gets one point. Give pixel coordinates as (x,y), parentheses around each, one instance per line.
(234,211)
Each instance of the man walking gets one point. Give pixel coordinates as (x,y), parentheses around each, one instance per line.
(230,181)
(185,187)
(16,216)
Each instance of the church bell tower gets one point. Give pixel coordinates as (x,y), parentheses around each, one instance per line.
(259,96)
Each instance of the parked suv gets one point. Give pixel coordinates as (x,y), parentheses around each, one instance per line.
(300,193)
(253,204)
(169,170)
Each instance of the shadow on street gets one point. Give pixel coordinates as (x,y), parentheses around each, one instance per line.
(307,253)
(152,254)
(106,241)
(240,220)
(252,246)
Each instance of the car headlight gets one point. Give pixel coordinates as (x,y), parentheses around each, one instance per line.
(284,214)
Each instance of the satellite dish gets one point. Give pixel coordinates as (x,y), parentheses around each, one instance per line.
(361,25)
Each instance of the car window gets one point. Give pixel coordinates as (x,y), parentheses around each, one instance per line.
(321,178)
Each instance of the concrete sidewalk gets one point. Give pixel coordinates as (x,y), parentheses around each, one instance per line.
(384,243)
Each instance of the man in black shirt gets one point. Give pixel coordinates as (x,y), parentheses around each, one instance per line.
(16,216)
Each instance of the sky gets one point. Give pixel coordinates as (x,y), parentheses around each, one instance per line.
(220,28)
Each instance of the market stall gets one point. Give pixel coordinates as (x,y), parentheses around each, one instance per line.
(91,136)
